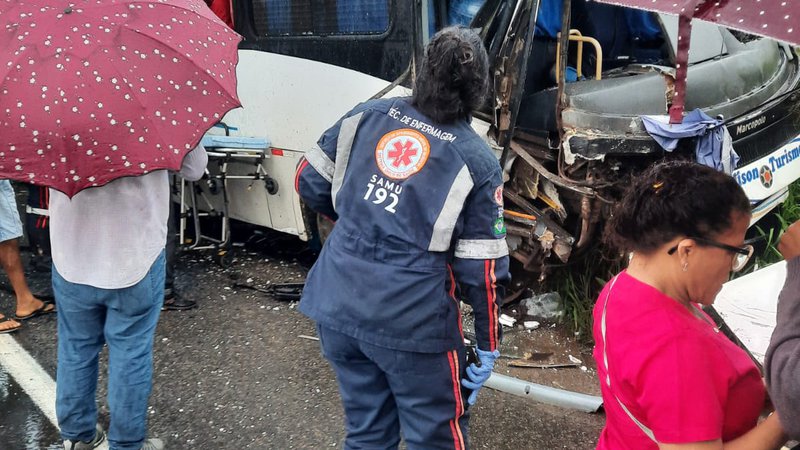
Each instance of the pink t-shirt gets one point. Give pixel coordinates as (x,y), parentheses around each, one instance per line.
(672,370)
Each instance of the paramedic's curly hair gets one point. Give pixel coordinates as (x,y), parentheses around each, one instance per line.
(453,78)
(672,199)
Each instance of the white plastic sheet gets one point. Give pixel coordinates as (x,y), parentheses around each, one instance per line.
(748,306)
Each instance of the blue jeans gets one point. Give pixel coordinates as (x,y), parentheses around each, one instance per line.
(126,320)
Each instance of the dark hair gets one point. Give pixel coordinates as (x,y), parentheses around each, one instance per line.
(671,199)
(453,77)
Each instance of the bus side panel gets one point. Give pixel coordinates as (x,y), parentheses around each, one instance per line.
(289,102)
(248,200)
(284,206)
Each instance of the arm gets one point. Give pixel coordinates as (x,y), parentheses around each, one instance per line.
(315,174)
(481,260)
(782,361)
(194,164)
(767,435)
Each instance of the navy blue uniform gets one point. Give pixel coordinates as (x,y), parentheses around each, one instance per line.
(418,211)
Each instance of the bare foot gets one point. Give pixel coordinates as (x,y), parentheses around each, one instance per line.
(8,325)
(31,306)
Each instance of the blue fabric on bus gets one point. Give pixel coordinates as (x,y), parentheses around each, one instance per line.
(548,19)
(642,25)
(461,12)
(713,147)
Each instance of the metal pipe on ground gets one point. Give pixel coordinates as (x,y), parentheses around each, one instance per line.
(544,394)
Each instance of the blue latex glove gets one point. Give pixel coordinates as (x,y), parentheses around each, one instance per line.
(477,375)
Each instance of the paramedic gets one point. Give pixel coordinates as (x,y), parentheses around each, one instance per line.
(782,363)
(110,290)
(669,378)
(417,199)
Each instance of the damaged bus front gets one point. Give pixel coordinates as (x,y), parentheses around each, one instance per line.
(570,121)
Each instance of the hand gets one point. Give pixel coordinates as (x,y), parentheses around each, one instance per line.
(789,245)
(477,375)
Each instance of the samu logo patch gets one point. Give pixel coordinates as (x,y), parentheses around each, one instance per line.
(498,195)
(402,153)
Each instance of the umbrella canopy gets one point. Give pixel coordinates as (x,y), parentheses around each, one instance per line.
(777,19)
(93,90)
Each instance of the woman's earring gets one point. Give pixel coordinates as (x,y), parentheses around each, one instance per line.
(685,266)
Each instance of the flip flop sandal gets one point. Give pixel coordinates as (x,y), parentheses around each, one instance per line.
(9,330)
(46,308)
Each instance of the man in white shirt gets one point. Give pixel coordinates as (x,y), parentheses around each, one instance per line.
(108,279)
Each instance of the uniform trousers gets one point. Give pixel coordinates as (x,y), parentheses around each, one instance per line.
(387,392)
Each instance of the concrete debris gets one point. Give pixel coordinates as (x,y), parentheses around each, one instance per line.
(531,324)
(507,321)
(544,307)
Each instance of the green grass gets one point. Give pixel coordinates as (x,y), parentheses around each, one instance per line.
(581,281)
(786,214)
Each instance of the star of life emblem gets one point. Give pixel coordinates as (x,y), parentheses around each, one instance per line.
(498,195)
(402,153)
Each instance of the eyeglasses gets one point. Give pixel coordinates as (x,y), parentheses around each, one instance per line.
(741,254)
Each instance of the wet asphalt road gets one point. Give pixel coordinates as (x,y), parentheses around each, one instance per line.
(233,374)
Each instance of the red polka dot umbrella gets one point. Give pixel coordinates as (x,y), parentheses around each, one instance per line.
(777,19)
(94,90)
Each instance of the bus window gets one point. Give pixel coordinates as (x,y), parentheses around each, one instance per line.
(363,16)
(461,12)
(307,18)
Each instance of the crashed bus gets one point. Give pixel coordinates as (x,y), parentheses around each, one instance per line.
(564,115)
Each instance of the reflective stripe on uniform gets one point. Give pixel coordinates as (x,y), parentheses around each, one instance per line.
(491,306)
(446,222)
(344,144)
(300,169)
(320,162)
(37,211)
(481,248)
(455,426)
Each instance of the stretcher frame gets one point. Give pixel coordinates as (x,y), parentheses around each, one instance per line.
(195,196)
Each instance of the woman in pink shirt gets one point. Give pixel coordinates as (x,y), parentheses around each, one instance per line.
(670,379)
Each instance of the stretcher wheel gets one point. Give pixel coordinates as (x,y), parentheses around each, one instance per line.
(214,186)
(271,184)
(225,257)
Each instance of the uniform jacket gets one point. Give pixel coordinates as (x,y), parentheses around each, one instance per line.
(418,211)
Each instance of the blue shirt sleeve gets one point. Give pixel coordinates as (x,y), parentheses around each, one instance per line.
(481,259)
(315,174)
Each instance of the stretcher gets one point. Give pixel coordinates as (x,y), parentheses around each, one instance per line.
(208,198)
